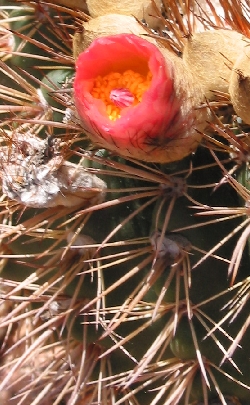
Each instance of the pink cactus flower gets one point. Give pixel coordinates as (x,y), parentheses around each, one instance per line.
(126,100)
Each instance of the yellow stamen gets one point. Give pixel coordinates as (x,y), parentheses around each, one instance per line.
(133,81)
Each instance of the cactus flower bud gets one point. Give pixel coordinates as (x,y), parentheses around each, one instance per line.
(127,99)
(141,9)
(239,85)
(221,46)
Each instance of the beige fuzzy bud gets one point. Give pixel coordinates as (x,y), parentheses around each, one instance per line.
(140,9)
(239,87)
(210,57)
(102,26)
(194,114)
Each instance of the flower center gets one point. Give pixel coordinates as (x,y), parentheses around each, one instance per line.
(121,97)
(120,90)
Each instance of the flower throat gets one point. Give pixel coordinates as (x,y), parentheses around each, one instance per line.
(120,90)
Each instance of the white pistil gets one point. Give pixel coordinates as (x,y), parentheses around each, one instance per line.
(121,97)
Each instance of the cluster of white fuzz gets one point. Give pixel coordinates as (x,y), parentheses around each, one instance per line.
(169,247)
(35,174)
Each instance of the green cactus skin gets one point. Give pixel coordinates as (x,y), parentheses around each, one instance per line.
(26,23)
(207,280)
(53,83)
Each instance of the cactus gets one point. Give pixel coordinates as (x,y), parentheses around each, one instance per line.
(125,203)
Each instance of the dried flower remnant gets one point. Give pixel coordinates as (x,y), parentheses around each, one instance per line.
(35,174)
(130,100)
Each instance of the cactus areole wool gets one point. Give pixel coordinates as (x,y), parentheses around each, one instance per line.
(125,98)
